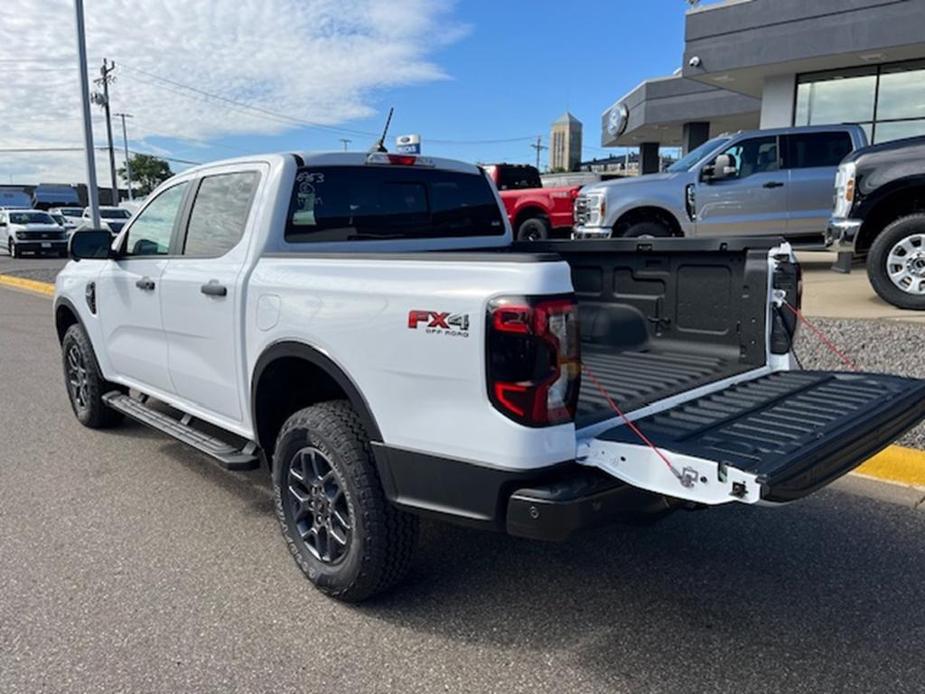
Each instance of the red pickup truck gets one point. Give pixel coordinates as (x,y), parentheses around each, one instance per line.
(536,213)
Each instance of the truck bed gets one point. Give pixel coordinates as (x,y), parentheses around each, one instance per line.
(659,317)
(636,378)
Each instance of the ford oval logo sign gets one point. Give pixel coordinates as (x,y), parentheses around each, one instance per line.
(616,120)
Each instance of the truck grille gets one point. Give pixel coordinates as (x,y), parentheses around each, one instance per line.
(40,235)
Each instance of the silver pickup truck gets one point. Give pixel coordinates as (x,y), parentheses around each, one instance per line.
(757,183)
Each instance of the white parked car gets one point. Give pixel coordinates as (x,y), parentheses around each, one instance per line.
(31,231)
(73,215)
(363,325)
(112,218)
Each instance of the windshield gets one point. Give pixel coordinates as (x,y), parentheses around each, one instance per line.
(341,203)
(115,214)
(72,211)
(695,155)
(30,218)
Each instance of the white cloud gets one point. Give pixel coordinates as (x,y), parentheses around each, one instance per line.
(318,61)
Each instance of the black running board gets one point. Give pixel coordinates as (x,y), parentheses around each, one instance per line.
(227,455)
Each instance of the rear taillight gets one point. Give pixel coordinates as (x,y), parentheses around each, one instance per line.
(534,361)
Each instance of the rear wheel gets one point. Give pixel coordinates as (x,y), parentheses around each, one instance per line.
(896,263)
(342,531)
(533,229)
(646,229)
(85,383)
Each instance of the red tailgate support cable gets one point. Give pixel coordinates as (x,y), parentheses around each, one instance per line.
(825,340)
(629,423)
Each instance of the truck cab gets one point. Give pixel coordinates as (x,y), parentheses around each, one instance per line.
(755,183)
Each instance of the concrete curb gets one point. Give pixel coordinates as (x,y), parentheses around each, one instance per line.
(896,465)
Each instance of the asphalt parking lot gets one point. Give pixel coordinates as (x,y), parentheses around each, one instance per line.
(130,562)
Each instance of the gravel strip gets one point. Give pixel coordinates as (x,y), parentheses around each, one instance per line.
(874,345)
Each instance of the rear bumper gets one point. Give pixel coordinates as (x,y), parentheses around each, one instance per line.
(841,235)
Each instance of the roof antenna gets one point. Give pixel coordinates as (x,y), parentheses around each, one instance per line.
(380,144)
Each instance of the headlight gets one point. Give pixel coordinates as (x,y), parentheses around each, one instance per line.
(844,190)
(589,209)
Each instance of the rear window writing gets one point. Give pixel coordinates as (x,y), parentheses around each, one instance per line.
(368,203)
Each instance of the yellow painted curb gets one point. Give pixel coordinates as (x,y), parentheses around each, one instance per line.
(896,464)
(34,286)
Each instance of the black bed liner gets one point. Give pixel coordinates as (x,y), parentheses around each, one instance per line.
(636,379)
(796,430)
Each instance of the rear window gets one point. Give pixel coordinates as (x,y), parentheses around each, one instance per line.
(375,203)
(809,150)
(518,177)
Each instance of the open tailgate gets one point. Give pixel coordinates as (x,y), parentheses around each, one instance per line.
(775,439)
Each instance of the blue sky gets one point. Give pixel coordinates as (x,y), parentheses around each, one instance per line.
(245,77)
(518,66)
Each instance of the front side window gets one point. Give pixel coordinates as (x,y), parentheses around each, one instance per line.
(358,203)
(219,214)
(152,229)
(756,155)
(808,150)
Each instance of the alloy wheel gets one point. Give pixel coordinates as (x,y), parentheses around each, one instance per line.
(77,381)
(905,264)
(318,505)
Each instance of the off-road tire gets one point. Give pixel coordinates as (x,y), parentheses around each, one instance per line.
(877,260)
(382,540)
(89,409)
(646,229)
(533,229)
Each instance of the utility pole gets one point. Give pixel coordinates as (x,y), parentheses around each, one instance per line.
(539,147)
(128,165)
(103,100)
(346,142)
(92,192)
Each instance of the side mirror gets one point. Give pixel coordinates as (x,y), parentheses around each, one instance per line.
(92,244)
(722,167)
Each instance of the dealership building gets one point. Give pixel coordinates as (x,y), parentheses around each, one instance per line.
(774,63)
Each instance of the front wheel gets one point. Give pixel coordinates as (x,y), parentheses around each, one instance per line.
(896,263)
(13,250)
(533,229)
(341,530)
(650,229)
(85,383)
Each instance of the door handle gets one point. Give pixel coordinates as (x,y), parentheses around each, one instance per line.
(145,283)
(773,184)
(213,288)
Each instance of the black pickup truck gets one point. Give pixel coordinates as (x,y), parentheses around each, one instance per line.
(880,212)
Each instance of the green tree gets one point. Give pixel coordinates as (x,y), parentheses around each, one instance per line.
(147,172)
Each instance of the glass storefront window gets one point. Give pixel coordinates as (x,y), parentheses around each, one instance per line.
(902,93)
(846,97)
(897,130)
(888,101)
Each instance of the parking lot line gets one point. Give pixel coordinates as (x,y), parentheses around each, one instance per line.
(896,464)
(43,288)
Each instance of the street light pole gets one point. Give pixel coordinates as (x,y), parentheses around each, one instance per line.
(92,191)
(128,165)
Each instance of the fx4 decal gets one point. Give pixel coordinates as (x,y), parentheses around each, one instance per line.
(440,323)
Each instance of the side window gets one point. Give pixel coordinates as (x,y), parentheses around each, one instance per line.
(756,155)
(151,230)
(219,214)
(808,150)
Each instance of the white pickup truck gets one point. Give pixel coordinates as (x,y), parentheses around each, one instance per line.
(364,326)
